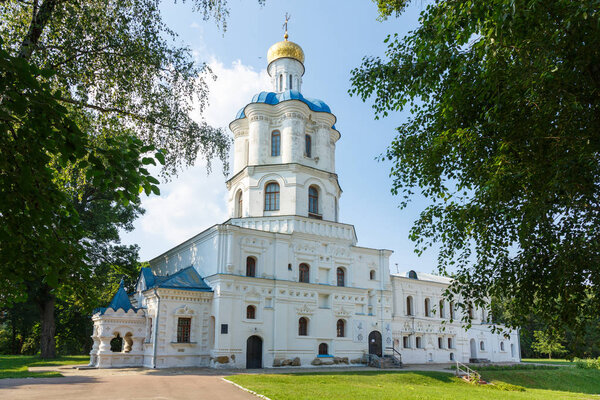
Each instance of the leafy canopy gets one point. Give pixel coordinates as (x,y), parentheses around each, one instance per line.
(503,139)
(89,90)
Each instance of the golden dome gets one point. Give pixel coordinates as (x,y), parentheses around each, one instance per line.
(285,49)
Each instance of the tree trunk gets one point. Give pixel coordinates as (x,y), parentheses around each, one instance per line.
(13,335)
(47,342)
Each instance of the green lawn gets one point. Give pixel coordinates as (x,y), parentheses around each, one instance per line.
(574,380)
(16,366)
(553,361)
(423,385)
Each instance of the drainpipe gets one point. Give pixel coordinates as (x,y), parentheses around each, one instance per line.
(155,329)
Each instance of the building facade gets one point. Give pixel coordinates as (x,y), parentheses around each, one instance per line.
(283,281)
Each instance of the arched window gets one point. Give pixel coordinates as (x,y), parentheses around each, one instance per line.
(442,311)
(412,275)
(451,310)
(323,351)
(290,79)
(340,328)
(409,305)
(307,146)
(280,83)
(275,143)
(303,273)
(239,204)
(427,303)
(341,278)
(372,275)
(251,312)
(116,344)
(251,266)
(313,200)
(272,197)
(501,346)
(302,327)
(481,346)
(451,356)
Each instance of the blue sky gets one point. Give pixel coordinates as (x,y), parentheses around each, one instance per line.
(335,36)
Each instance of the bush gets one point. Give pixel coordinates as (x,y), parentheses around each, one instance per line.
(588,363)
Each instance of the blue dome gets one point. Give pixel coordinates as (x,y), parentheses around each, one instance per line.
(274,98)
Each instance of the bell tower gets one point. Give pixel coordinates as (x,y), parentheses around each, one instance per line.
(284,147)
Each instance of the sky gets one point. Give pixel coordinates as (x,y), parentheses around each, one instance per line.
(335,36)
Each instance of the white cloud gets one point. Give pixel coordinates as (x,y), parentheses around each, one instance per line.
(232,90)
(194,201)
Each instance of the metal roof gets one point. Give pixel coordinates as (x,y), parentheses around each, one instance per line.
(273,98)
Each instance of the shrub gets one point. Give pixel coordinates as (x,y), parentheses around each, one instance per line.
(587,363)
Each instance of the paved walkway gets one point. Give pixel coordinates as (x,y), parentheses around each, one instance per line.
(124,384)
(149,384)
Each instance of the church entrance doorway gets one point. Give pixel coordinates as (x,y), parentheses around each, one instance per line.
(254,352)
(375,343)
(473,349)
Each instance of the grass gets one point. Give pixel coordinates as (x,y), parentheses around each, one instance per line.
(573,380)
(547,361)
(521,384)
(17,366)
(513,367)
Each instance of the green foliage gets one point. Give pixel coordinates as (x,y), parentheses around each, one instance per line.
(91,94)
(588,363)
(502,139)
(388,8)
(548,343)
(121,64)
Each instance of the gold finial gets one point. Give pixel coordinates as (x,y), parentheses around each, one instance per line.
(287,18)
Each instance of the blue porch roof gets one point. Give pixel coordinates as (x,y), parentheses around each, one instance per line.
(119,300)
(185,279)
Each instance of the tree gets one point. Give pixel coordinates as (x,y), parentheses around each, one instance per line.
(548,343)
(43,240)
(89,89)
(503,141)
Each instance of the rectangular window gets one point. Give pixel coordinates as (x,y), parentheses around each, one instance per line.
(275,143)
(419,343)
(224,329)
(405,342)
(149,330)
(450,343)
(183,330)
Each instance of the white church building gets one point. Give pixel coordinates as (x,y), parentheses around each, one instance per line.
(283,282)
